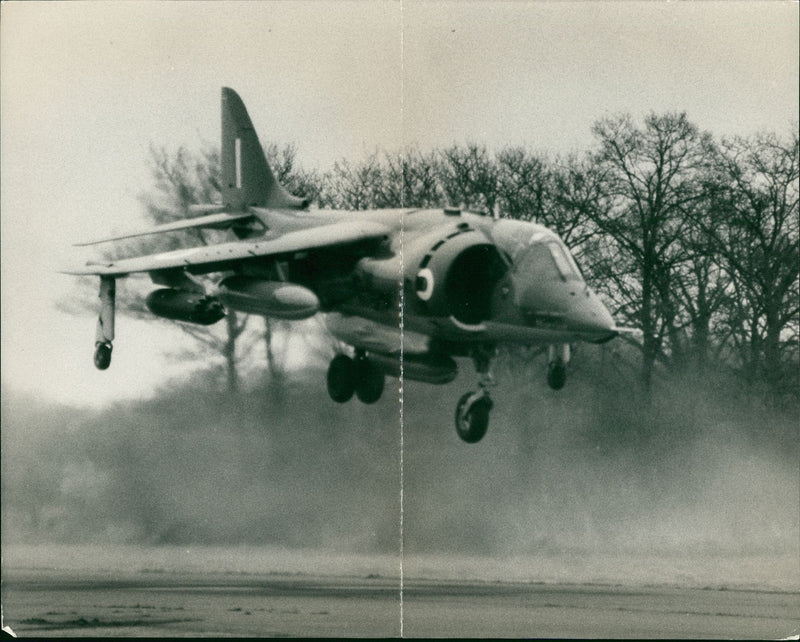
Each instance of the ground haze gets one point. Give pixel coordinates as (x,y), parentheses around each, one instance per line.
(590,512)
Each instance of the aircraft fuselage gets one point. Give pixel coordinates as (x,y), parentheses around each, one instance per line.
(465,278)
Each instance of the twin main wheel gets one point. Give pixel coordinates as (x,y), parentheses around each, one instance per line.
(347,376)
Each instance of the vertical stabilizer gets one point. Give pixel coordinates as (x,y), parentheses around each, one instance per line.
(246,178)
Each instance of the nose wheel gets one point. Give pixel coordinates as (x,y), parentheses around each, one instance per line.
(472,410)
(556,375)
(472,416)
(557,360)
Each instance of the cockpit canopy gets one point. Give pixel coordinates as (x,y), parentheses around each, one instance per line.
(536,251)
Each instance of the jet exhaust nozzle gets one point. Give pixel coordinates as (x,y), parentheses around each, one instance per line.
(181,305)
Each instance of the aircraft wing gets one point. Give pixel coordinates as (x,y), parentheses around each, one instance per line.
(214,258)
(218,221)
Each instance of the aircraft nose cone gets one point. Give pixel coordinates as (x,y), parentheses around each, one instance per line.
(588,314)
(571,306)
(593,316)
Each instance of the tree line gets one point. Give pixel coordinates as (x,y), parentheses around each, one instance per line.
(691,238)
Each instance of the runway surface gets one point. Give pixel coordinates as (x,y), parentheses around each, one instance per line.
(174,601)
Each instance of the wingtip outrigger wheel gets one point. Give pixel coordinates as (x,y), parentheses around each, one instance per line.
(105,324)
(102,354)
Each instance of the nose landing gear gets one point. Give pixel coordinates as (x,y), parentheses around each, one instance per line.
(472,411)
(472,416)
(557,360)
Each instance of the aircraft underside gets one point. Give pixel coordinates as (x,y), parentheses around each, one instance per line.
(381,349)
(376,346)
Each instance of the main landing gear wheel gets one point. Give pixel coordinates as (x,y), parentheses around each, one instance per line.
(369,381)
(341,378)
(472,416)
(556,375)
(102,355)
(347,376)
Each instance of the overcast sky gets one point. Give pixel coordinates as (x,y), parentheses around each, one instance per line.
(87,87)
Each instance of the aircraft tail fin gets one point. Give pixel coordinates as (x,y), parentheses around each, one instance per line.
(247,179)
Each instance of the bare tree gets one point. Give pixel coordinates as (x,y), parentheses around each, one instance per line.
(283,162)
(758,240)
(469,176)
(524,185)
(702,291)
(652,179)
(411,179)
(354,186)
(183,179)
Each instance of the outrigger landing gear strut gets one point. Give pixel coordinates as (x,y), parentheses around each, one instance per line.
(104,335)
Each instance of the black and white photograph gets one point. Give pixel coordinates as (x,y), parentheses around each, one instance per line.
(400,318)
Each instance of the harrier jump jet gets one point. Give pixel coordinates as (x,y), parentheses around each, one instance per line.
(405,290)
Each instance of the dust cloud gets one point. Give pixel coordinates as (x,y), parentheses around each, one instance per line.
(599,468)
